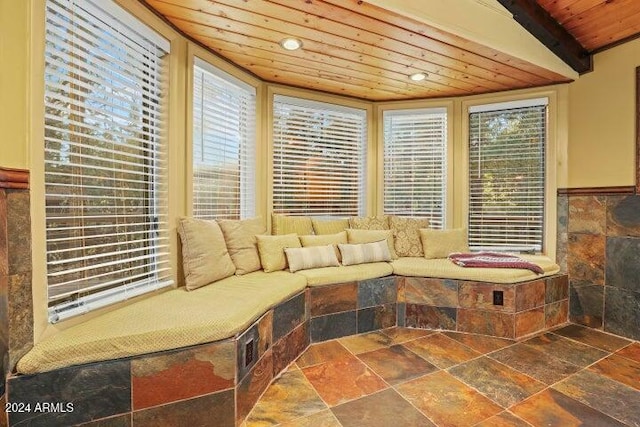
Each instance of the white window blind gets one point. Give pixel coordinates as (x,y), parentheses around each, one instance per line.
(224,123)
(415,163)
(105,168)
(507,176)
(318,158)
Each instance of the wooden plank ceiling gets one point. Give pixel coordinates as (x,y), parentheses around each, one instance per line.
(349,48)
(596,24)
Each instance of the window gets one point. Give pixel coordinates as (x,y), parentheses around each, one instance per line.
(223,145)
(318,158)
(106,198)
(415,163)
(507,176)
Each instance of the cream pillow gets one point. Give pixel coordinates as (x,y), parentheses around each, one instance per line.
(362,253)
(271,249)
(283,224)
(329,226)
(204,253)
(369,222)
(325,239)
(441,243)
(240,236)
(311,257)
(369,236)
(406,235)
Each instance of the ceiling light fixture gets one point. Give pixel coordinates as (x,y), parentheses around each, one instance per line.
(417,77)
(291,43)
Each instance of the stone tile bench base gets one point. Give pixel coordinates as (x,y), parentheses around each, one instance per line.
(457,305)
(217,384)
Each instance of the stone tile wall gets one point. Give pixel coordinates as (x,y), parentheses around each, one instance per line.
(16,306)
(599,237)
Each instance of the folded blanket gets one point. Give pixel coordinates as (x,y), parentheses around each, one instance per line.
(493,260)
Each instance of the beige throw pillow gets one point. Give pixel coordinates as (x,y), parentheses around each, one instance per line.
(406,235)
(283,224)
(441,243)
(204,253)
(271,249)
(325,239)
(370,236)
(369,222)
(362,253)
(311,257)
(240,236)
(329,226)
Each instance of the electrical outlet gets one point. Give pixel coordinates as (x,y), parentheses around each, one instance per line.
(498,298)
(248,353)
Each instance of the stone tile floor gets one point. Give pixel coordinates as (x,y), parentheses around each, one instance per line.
(572,376)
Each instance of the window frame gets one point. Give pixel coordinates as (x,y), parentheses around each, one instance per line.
(453,183)
(447,155)
(246,202)
(555,154)
(94,292)
(369,174)
(194,51)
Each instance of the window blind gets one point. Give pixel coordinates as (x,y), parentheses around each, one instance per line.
(224,125)
(105,168)
(507,176)
(415,163)
(318,158)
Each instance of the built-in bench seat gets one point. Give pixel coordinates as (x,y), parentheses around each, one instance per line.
(214,350)
(203,356)
(173,319)
(350,273)
(442,268)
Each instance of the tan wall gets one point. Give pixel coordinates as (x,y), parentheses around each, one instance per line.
(602,121)
(14,76)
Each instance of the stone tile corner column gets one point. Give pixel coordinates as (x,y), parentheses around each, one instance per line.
(16,304)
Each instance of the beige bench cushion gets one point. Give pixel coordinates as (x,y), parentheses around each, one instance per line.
(173,319)
(350,273)
(444,269)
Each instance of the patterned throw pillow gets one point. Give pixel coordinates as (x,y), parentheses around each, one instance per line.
(271,249)
(369,236)
(362,253)
(406,235)
(240,236)
(441,243)
(311,257)
(284,224)
(369,222)
(204,253)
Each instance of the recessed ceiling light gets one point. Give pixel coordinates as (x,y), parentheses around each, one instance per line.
(291,43)
(418,77)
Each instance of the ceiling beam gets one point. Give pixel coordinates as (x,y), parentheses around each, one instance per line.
(535,19)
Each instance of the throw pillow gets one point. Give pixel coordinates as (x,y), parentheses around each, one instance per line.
(271,249)
(441,243)
(329,226)
(283,224)
(406,235)
(325,239)
(240,236)
(362,253)
(204,253)
(369,222)
(311,257)
(369,236)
